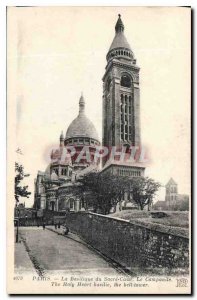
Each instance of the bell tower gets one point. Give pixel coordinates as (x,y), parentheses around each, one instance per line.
(121,97)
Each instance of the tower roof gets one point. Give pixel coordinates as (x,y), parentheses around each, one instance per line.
(119,40)
(171,182)
(81,126)
(119,24)
(81,104)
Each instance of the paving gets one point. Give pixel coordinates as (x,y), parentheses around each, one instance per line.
(22,259)
(70,235)
(50,252)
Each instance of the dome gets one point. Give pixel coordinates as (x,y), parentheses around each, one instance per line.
(82,126)
(56,154)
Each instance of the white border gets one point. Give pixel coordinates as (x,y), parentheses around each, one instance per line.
(3,4)
(98,3)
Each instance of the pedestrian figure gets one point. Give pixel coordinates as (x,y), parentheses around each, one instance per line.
(43,226)
(55,226)
(59,224)
(65,229)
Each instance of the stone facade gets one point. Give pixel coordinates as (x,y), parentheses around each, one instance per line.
(121,101)
(173,200)
(56,189)
(121,127)
(132,246)
(171,192)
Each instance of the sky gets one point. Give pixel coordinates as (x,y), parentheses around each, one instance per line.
(55,53)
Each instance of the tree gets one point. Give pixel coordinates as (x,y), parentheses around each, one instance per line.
(181,205)
(106,190)
(20,191)
(143,190)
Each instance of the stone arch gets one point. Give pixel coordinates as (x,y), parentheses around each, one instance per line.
(71,203)
(126,80)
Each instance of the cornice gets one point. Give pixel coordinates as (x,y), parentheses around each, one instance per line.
(120,65)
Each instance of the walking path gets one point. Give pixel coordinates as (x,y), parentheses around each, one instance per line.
(22,259)
(50,252)
(70,235)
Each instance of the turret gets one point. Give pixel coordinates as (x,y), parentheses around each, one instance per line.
(120,48)
(81,104)
(62,139)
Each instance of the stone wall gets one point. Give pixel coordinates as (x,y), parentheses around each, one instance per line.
(130,245)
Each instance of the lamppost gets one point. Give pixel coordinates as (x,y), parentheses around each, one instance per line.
(25,220)
(18,214)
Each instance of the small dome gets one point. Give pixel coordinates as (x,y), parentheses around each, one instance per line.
(66,160)
(56,154)
(82,126)
(54,176)
(59,156)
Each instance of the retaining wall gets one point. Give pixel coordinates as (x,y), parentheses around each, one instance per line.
(129,244)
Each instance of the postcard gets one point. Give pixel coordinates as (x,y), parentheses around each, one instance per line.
(98,150)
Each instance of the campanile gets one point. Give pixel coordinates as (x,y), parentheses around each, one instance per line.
(121,94)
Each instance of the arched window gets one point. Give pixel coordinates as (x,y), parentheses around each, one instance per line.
(125,81)
(71,203)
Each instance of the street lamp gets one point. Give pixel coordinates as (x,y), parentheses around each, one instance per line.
(25,220)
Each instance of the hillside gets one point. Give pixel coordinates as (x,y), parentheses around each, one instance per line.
(175,222)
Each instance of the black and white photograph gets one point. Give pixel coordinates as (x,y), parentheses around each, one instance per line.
(98,150)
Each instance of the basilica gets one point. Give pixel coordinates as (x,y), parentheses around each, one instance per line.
(56,188)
